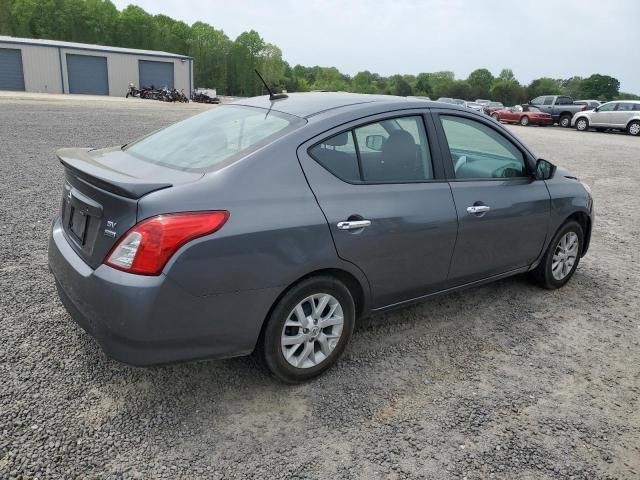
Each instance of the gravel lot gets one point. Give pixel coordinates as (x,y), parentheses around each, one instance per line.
(502,381)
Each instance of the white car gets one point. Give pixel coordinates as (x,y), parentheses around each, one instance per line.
(618,115)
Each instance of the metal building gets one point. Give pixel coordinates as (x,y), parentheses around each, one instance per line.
(51,66)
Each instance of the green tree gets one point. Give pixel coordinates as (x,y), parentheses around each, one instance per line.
(400,86)
(363,82)
(136,29)
(480,81)
(423,84)
(544,86)
(210,49)
(600,87)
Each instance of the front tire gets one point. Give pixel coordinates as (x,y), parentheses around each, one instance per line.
(565,121)
(524,121)
(308,329)
(561,258)
(634,128)
(582,124)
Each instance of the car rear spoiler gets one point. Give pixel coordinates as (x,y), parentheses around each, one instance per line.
(87,168)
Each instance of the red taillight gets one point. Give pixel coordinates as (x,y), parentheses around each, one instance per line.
(148,246)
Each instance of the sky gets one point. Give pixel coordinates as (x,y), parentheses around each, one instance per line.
(535,38)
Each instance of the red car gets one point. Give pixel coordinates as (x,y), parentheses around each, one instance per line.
(524,115)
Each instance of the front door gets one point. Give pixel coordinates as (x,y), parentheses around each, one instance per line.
(503,213)
(604,116)
(389,209)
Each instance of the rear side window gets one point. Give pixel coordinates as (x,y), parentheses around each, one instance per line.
(390,151)
(625,107)
(565,101)
(548,100)
(213,139)
(478,151)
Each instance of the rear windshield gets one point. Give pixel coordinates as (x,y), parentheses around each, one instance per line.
(213,139)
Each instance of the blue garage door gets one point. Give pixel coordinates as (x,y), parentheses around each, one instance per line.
(87,74)
(158,74)
(11,76)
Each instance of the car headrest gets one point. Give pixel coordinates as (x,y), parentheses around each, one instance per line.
(338,140)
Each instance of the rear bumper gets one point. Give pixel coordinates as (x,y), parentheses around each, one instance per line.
(144,321)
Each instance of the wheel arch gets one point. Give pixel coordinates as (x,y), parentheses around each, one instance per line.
(355,287)
(585,222)
(637,120)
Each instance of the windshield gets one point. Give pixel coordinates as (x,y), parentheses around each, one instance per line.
(213,139)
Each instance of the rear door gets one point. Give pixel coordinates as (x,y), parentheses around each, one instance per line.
(622,114)
(503,213)
(389,208)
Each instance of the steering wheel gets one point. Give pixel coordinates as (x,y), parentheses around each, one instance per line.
(459,162)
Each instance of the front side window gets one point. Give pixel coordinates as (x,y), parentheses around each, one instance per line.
(537,101)
(389,151)
(478,151)
(214,138)
(607,107)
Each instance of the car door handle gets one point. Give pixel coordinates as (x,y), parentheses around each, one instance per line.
(475,209)
(353,224)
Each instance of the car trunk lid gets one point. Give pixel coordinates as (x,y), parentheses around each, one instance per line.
(101,193)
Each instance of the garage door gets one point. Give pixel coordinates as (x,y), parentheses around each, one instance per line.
(11,76)
(158,74)
(87,74)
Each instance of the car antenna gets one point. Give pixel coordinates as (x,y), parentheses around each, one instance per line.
(272,96)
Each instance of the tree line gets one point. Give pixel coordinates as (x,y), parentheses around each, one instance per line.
(228,65)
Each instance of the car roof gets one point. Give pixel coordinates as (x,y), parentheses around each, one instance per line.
(308,104)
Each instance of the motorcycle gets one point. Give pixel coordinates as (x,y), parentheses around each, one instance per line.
(132,91)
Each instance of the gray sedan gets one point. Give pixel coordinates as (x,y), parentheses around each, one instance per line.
(273,225)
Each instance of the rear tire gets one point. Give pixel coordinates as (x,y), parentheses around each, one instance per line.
(524,121)
(565,121)
(634,128)
(299,316)
(561,258)
(582,124)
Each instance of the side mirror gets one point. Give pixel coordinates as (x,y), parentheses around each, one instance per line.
(375,142)
(544,169)
(597,109)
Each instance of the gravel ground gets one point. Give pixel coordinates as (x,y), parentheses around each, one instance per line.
(501,381)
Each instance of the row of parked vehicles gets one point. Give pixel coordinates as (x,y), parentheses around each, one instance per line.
(622,115)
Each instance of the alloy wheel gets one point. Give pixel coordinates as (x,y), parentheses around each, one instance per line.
(565,255)
(634,128)
(581,124)
(312,330)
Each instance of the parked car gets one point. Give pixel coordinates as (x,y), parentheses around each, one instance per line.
(482,102)
(524,115)
(446,100)
(618,115)
(492,107)
(272,225)
(591,104)
(474,106)
(560,107)
(419,97)
(459,101)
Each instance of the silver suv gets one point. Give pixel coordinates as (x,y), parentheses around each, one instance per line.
(618,115)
